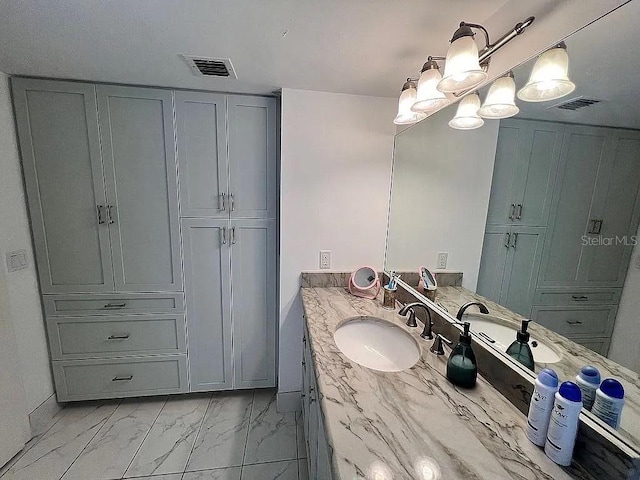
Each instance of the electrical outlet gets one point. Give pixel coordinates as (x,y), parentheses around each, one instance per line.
(638,262)
(442,260)
(325,259)
(17,260)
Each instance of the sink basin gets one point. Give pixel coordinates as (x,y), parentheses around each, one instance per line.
(377,344)
(496,333)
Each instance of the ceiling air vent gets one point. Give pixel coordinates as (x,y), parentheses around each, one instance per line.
(210,67)
(576,103)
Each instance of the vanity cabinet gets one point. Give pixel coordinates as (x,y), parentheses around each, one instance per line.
(510,264)
(318,449)
(526,164)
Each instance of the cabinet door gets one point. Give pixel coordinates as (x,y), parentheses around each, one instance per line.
(252,156)
(538,158)
(521,271)
(616,205)
(496,246)
(136,127)
(202,154)
(59,142)
(582,151)
(501,200)
(208,291)
(253,269)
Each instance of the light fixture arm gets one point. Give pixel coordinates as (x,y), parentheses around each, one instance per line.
(490,48)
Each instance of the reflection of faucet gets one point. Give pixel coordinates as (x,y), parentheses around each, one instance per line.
(437,344)
(411,322)
(483,308)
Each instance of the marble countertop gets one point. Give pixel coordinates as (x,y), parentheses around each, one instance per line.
(574,357)
(396,425)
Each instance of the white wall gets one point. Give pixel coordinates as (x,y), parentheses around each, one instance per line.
(335,174)
(441,185)
(626,333)
(24,298)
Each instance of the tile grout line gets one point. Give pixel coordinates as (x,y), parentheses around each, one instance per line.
(246,439)
(195,440)
(146,435)
(94,436)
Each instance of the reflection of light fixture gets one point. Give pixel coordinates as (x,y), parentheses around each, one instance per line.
(500,101)
(467,117)
(429,98)
(462,68)
(549,78)
(465,67)
(407,99)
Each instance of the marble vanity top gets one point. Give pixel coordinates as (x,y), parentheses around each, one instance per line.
(574,356)
(396,425)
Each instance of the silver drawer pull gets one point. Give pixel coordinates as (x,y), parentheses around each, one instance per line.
(122,379)
(118,337)
(574,322)
(512,211)
(580,298)
(223,206)
(115,305)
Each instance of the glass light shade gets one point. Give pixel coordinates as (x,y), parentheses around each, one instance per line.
(405,115)
(500,101)
(467,117)
(549,78)
(462,69)
(429,98)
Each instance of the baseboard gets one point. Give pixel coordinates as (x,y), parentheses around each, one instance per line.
(289,402)
(41,418)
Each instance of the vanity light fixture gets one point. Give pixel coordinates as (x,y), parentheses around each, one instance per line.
(500,101)
(467,117)
(466,68)
(549,77)
(407,99)
(429,98)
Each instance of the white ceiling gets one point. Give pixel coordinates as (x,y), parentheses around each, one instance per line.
(348,46)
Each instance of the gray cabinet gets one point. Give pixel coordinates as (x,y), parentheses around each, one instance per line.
(136,131)
(525,169)
(510,265)
(60,148)
(226,155)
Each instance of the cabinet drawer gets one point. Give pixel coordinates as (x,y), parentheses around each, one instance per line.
(110,304)
(598,345)
(115,378)
(578,297)
(593,321)
(112,336)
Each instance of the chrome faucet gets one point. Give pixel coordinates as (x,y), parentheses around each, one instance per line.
(483,308)
(411,322)
(437,344)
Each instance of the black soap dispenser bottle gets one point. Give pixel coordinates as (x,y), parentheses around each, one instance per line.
(520,349)
(462,369)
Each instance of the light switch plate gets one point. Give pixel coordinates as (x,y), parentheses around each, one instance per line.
(17,260)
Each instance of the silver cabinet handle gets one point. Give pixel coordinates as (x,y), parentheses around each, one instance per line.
(579,298)
(100,210)
(224,235)
(110,214)
(115,306)
(512,211)
(574,322)
(222,206)
(233,235)
(507,239)
(122,379)
(514,238)
(598,226)
(519,212)
(232,203)
(592,226)
(118,337)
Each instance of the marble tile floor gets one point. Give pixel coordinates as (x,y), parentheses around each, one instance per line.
(220,436)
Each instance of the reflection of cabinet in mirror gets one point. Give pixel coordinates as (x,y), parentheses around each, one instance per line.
(580,184)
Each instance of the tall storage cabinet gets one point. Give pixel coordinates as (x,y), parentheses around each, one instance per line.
(229,141)
(101,171)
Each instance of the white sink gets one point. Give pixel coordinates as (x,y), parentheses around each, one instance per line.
(377,344)
(501,336)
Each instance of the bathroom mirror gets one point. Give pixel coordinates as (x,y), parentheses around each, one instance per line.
(539,212)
